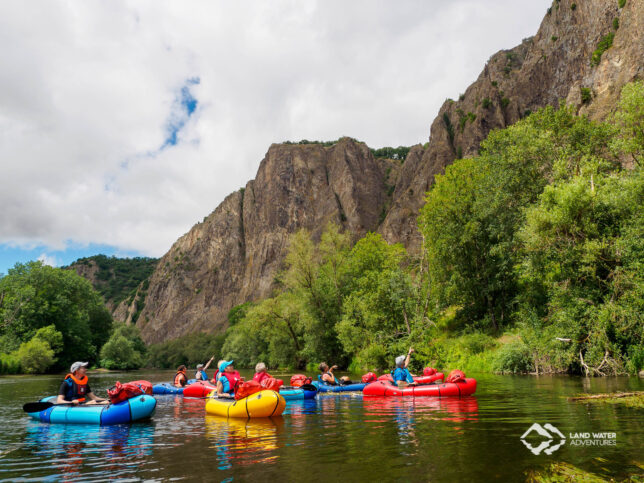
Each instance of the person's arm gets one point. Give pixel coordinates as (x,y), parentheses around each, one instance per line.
(94,397)
(220,388)
(205,368)
(408,357)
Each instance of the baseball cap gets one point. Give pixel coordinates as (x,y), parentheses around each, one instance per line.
(77,365)
(199,366)
(224,365)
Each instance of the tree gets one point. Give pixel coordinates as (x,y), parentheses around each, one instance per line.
(35,356)
(34,296)
(124,350)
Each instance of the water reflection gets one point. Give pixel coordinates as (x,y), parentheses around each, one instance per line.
(243,442)
(78,449)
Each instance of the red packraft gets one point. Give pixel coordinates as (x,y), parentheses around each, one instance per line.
(298,380)
(246,388)
(121,392)
(369,377)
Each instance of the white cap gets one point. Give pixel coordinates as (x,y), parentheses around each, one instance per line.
(77,365)
(400,360)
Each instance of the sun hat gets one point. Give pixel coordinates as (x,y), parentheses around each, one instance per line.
(77,365)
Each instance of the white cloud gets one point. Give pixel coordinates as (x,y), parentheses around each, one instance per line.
(50,260)
(87,89)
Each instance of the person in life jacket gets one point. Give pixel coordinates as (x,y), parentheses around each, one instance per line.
(260,372)
(228,379)
(401,374)
(201,375)
(180,378)
(217,374)
(327,377)
(75,387)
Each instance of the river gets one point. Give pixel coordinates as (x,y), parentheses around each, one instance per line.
(332,438)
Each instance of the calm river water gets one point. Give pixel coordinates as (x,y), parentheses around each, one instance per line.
(333,438)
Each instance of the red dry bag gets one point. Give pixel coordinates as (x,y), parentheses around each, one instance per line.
(271,383)
(429,371)
(369,377)
(456,376)
(121,392)
(299,380)
(246,388)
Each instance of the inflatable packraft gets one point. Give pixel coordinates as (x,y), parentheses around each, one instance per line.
(134,409)
(291,393)
(439,376)
(339,387)
(262,404)
(166,388)
(449,389)
(198,389)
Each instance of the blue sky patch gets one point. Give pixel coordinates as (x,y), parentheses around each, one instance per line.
(184,107)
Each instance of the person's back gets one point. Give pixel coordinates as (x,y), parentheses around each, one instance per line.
(260,373)
(401,374)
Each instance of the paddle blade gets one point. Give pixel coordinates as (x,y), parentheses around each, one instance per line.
(36,407)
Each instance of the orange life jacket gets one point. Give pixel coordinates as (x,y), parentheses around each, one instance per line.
(178,381)
(76,388)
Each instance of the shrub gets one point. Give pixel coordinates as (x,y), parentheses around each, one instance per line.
(604,44)
(495,83)
(573,6)
(9,364)
(621,3)
(486,103)
(514,358)
(586,95)
(35,356)
(554,38)
(119,353)
(505,102)
(615,23)
(448,126)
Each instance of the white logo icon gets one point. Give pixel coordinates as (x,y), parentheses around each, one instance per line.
(547,431)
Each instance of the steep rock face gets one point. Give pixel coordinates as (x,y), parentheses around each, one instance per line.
(234,255)
(553,65)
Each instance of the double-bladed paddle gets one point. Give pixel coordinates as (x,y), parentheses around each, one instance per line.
(36,407)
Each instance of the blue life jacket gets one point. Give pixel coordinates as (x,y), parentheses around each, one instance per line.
(335,380)
(204,376)
(400,374)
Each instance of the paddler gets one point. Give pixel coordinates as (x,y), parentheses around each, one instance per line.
(201,375)
(75,387)
(180,379)
(328,377)
(401,374)
(228,380)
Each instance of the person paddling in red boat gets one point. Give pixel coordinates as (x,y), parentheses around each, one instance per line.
(327,377)
(75,388)
(180,378)
(401,375)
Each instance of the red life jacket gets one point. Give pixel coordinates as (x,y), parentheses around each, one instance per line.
(178,381)
(76,388)
(233,378)
(260,376)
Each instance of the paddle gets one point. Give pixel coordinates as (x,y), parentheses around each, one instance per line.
(36,407)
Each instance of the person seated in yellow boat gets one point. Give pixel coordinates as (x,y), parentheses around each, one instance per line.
(327,377)
(75,388)
(228,380)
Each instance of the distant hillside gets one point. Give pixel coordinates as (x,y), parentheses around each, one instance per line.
(116,279)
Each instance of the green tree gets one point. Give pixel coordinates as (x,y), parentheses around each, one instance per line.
(35,356)
(34,296)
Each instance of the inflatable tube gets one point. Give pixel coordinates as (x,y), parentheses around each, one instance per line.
(450,389)
(339,388)
(166,388)
(198,389)
(439,376)
(290,393)
(133,409)
(262,404)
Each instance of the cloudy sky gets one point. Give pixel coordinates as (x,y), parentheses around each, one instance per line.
(124,123)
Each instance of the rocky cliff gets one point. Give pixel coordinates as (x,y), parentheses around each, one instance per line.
(553,65)
(234,255)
